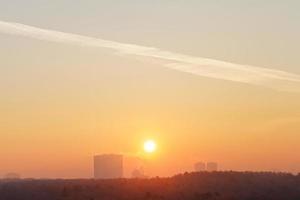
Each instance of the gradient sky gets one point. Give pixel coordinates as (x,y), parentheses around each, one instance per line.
(61,104)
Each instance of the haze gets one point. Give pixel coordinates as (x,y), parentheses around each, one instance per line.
(63,103)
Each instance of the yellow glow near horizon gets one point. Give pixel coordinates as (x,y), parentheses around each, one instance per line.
(150,146)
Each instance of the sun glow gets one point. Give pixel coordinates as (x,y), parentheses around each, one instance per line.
(149,146)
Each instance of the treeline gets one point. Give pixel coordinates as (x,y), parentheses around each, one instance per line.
(188,186)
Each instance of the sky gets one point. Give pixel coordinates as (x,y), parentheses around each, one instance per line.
(207,80)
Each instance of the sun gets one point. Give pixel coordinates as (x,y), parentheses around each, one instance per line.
(149,146)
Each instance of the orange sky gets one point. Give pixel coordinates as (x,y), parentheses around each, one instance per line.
(60,104)
(56,133)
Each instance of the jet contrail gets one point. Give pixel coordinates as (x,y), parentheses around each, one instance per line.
(206,67)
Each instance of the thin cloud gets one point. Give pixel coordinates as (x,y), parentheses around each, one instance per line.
(211,68)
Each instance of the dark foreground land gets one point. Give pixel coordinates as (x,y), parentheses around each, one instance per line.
(188,186)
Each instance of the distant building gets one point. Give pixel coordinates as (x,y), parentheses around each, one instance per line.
(200,166)
(108,166)
(212,166)
(12,176)
(138,173)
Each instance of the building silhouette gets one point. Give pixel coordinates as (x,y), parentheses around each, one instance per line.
(212,166)
(12,176)
(200,166)
(108,166)
(138,173)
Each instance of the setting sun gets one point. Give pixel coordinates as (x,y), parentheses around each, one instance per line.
(149,146)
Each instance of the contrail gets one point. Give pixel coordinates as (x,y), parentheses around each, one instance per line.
(206,67)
